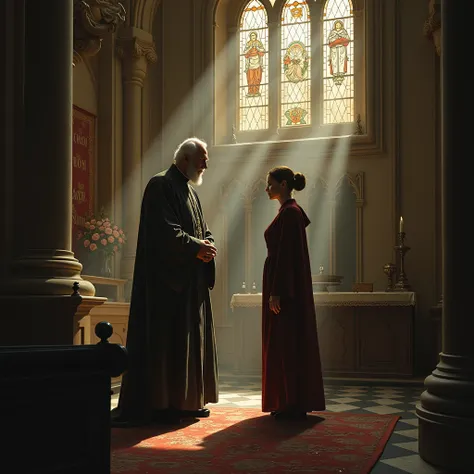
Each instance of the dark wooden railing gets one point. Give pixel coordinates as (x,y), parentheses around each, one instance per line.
(55,406)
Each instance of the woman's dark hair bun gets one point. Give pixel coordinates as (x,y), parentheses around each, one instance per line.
(299,181)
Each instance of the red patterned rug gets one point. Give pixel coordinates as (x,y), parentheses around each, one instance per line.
(249,441)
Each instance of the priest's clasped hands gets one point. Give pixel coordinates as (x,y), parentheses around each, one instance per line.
(207,251)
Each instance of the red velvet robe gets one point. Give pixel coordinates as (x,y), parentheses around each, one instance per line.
(292,376)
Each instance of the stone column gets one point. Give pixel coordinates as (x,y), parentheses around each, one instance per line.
(37,306)
(136,49)
(446,411)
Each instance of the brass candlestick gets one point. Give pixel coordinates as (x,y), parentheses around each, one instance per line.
(389,269)
(402,282)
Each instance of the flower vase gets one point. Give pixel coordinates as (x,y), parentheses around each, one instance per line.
(106,265)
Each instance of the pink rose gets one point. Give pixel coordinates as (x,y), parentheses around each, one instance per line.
(92,227)
(99,223)
(115,234)
(95,236)
(93,247)
(108,230)
(107,223)
(115,227)
(101,228)
(87,243)
(103,242)
(93,221)
(111,239)
(120,240)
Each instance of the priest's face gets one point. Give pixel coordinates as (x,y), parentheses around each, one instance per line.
(197,164)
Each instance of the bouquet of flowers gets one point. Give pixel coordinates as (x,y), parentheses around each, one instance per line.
(101,235)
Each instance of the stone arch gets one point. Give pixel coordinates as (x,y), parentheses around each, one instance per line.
(142,14)
(357,184)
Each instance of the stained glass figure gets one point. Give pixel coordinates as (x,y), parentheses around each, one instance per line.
(254,52)
(338,41)
(338,81)
(296,62)
(296,67)
(253,95)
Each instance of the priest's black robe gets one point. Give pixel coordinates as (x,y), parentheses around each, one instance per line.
(292,378)
(171,338)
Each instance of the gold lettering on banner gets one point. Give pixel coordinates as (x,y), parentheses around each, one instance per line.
(82,164)
(78,220)
(79,163)
(80,139)
(79,194)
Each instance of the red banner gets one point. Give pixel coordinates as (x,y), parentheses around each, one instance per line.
(83,152)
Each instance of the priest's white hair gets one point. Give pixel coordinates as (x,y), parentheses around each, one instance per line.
(188,147)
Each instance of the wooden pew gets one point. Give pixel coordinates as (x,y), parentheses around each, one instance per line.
(55,406)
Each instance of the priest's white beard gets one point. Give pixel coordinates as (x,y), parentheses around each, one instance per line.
(194,175)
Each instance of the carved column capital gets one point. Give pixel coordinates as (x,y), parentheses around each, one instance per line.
(93,19)
(136,53)
(432,27)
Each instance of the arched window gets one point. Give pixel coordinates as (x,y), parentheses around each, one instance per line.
(253,90)
(297,68)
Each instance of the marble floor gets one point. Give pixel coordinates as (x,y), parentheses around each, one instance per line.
(401,453)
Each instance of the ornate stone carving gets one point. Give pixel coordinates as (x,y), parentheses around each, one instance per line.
(136,54)
(93,19)
(136,48)
(432,27)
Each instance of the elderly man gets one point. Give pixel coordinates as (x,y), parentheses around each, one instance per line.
(172,370)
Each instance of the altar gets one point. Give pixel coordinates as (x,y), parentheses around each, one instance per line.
(366,334)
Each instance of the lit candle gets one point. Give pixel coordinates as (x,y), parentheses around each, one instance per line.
(401,224)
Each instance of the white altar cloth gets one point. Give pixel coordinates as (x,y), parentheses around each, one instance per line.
(336,298)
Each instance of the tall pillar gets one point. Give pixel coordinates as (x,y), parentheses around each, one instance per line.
(446,411)
(137,50)
(35,300)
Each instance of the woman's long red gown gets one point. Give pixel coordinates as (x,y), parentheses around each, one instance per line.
(291,378)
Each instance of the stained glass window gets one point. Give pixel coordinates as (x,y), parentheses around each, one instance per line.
(253,90)
(338,61)
(289,95)
(295,98)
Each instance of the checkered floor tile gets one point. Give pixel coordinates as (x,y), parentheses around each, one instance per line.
(401,453)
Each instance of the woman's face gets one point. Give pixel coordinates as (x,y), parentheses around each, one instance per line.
(274,189)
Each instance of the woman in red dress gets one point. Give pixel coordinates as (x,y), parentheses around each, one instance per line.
(292,383)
